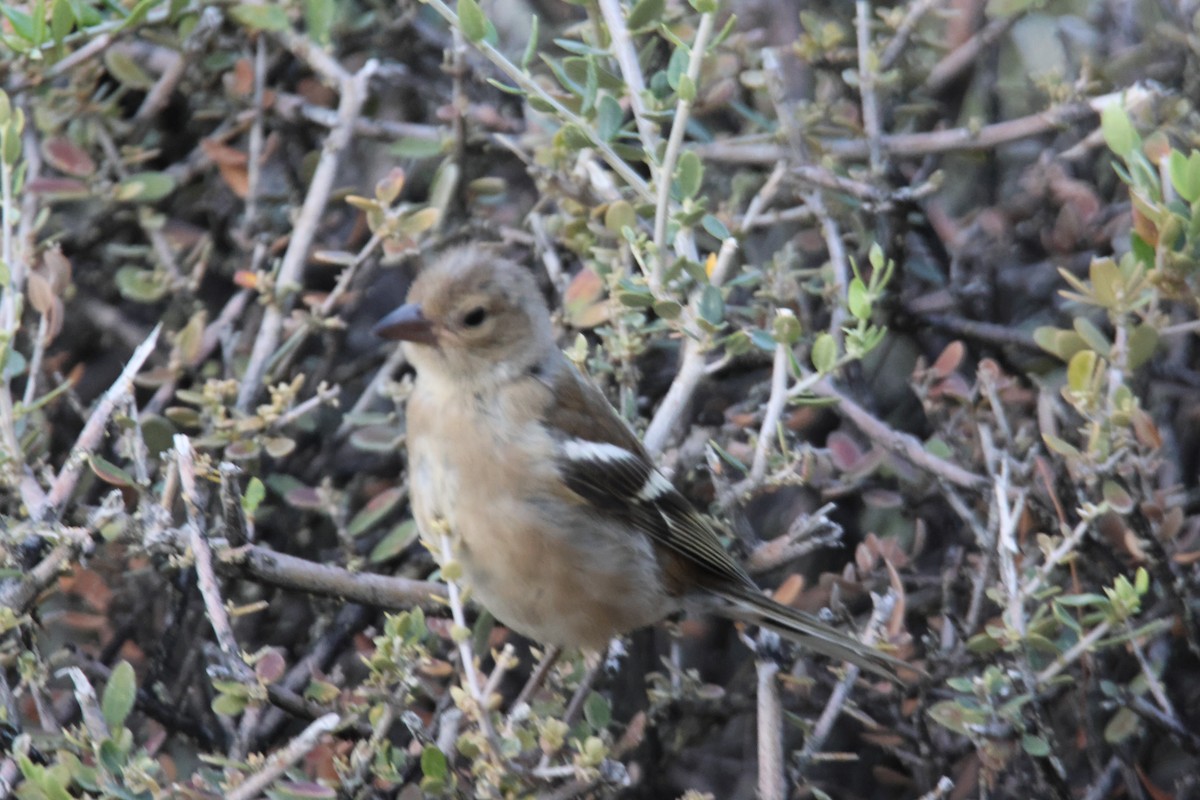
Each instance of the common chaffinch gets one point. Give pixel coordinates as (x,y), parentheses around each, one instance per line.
(564,527)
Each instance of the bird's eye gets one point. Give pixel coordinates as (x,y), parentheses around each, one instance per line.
(475,317)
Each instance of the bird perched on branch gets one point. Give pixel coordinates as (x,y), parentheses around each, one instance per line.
(564,527)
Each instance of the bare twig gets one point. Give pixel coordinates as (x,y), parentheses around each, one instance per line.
(912,17)
(283,758)
(540,673)
(291,270)
(691,367)
(775,405)
(627,60)
(772,783)
(93,431)
(257,137)
(833,708)
(224,322)
(967,54)
(206,576)
(290,572)
(1077,650)
(528,84)
(19,596)
(902,444)
(466,652)
(761,150)
(866,84)
(666,172)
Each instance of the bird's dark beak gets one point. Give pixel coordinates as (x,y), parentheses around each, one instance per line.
(406,324)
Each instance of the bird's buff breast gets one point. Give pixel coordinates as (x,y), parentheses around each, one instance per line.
(534,557)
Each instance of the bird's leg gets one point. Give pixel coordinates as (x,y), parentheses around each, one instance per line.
(549,659)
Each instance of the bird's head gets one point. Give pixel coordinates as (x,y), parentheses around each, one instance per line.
(472,317)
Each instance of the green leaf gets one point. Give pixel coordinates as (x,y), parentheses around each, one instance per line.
(1092,336)
(690,173)
(140,285)
(255,493)
(1058,342)
(1060,446)
(1035,746)
(1124,724)
(318,18)
(395,542)
(618,216)
(138,14)
(1185,174)
(956,716)
(1108,283)
(265,17)
(109,472)
(597,711)
(417,148)
(1143,341)
(119,696)
(62,20)
(645,13)
(473,22)
(229,705)
(1118,130)
(687,88)
(609,116)
(677,66)
(145,187)
(857,300)
(373,512)
(824,353)
(531,48)
(22,23)
(715,227)
(1117,498)
(712,305)
(127,71)
(668,309)
(1080,370)
(574,137)
(433,760)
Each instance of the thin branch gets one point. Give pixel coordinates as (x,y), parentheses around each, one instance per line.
(833,708)
(692,365)
(257,137)
(912,17)
(19,596)
(283,758)
(902,444)
(772,783)
(291,270)
(298,574)
(206,576)
(760,150)
(866,85)
(526,83)
(1071,656)
(776,402)
(666,172)
(966,55)
(93,431)
(627,60)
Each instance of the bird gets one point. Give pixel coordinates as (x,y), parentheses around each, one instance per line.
(564,527)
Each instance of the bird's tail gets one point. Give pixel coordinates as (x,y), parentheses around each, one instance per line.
(748,605)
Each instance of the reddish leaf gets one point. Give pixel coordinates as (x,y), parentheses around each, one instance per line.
(949,359)
(66,156)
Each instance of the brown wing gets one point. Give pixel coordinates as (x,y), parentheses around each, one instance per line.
(603,462)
